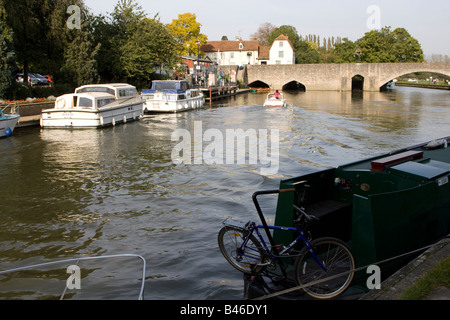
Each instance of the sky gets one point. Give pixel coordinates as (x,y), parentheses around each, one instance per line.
(428,21)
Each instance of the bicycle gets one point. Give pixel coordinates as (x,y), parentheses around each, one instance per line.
(327,258)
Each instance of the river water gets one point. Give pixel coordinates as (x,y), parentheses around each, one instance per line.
(76,193)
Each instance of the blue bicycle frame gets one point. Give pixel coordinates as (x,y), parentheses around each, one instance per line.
(267,228)
(280,254)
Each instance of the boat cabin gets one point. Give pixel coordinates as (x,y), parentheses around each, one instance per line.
(384,206)
(169,86)
(118,90)
(170,90)
(94,100)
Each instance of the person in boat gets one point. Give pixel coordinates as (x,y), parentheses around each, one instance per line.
(277,94)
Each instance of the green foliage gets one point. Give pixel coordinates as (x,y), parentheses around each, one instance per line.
(383,45)
(150,46)
(379,46)
(7,57)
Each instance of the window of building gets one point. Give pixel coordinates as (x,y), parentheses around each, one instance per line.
(280,54)
(281,44)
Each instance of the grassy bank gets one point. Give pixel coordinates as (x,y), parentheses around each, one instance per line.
(423,82)
(439,276)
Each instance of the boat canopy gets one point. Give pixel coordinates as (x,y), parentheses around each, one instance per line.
(119,90)
(169,86)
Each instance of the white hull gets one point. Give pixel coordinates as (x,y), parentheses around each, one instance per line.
(8,124)
(272,101)
(155,105)
(275,103)
(79,118)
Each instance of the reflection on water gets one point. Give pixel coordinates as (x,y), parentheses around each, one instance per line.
(68,193)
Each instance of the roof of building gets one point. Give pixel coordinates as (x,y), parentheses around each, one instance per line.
(228,45)
(283,37)
(264,53)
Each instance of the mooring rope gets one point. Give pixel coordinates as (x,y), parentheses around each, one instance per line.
(345,273)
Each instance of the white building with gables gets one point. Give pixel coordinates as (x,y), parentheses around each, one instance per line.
(239,52)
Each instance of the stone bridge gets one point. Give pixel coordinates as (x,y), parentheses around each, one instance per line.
(335,77)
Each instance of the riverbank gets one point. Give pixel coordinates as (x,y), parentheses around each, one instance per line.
(30,113)
(421,85)
(406,281)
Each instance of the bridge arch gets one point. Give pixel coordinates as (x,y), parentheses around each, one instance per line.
(357,82)
(384,83)
(293,86)
(258,84)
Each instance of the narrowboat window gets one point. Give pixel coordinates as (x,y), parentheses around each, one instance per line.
(181,97)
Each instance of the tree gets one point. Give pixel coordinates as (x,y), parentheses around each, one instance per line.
(27,33)
(389,46)
(124,20)
(289,31)
(307,52)
(7,56)
(263,33)
(80,55)
(150,46)
(343,52)
(186,31)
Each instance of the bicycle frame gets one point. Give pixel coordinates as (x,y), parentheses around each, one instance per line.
(267,228)
(281,254)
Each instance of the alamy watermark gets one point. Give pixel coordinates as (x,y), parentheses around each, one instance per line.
(74,280)
(374,280)
(74,21)
(374,20)
(236,146)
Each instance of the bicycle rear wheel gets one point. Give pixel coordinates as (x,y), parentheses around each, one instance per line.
(337,259)
(230,240)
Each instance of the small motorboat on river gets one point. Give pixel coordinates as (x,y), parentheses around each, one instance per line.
(93,106)
(171,96)
(275,99)
(8,123)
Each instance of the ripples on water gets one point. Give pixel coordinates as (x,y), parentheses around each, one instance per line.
(69,193)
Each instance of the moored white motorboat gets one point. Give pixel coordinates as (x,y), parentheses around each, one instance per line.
(171,96)
(93,106)
(273,101)
(8,123)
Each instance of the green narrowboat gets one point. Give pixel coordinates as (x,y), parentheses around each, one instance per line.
(383,206)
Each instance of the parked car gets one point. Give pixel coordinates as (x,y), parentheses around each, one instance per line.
(34,79)
(41,80)
(49,79)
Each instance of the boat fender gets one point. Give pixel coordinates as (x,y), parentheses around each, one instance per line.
(8,131)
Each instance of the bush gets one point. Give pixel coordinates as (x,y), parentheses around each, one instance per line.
(21,91)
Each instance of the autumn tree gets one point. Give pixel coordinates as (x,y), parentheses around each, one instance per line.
(263,33)
(186,31)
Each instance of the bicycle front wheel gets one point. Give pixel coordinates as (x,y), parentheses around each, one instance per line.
(339,262)
(244,258)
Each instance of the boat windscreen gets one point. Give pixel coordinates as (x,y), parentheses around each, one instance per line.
(96,89)
(170,85)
